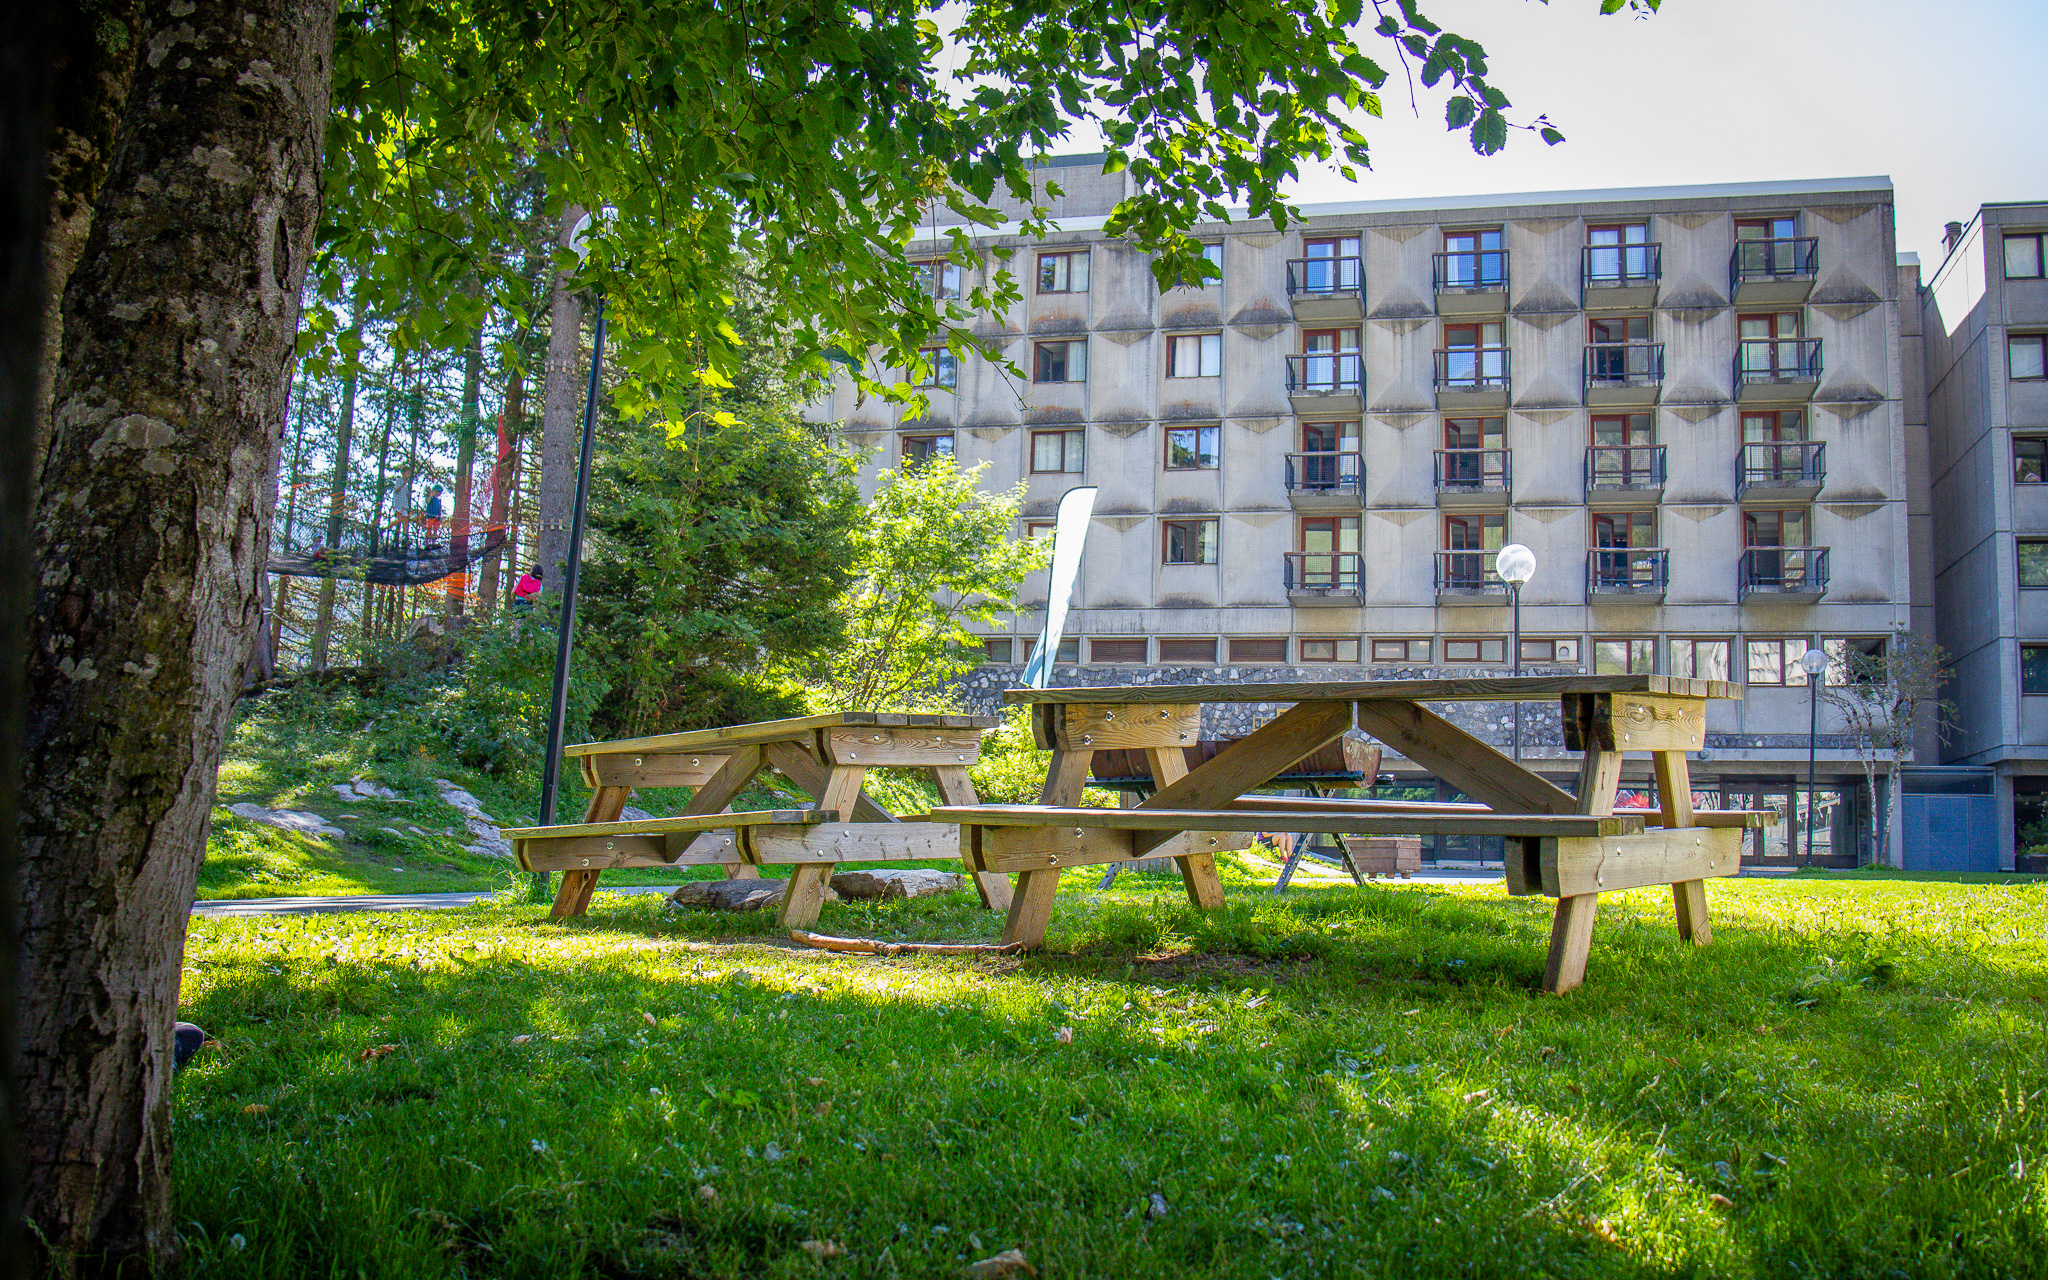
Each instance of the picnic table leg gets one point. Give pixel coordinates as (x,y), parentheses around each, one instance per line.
(1674,797)
(572,896)
(1197,870)
(1571,937)
(955,787)
(1031,900)
(804,897)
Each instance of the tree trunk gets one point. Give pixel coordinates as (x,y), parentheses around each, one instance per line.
(501,488)
(465,462)
(337,502)
(561,423)
(153,527)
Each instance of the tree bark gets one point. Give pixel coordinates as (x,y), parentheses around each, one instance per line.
(501,488)
(465,463)
(561,423)
(337,502)
(153,526)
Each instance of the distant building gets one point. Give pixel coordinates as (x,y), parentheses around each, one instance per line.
(1690,402)
(1985,322)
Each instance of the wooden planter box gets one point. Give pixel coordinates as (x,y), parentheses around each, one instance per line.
(1385,855)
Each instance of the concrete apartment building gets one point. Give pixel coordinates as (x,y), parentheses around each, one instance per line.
(1690,402)
(1985,323)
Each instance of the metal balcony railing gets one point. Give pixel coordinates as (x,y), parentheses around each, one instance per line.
(1622,264)
(1471,269)
(1783,570)
(1473,470)
(1781,464)
(1777,360)
(1472,369)
(1341,374)
(1625,466)
(1328,572)
(1468,572)
(1624,364)
(1627,571)
(1325,277)
(1325,472)
(1785,259)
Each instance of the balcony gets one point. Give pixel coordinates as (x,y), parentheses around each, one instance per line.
(1793,575)
(1467,577)
(1474,479)
(1780,471)
(1323,289)
(1326,578)
(1329,383)
(1472,378)
(1471,282)
(1627,575)
(1625,474)
(1776,370)
(1627,375)
(1326,481)
(1773,271)
(1620,277)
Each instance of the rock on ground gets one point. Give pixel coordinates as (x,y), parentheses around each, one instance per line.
(309,824)
(364,789)
(631,814)
(734,895)
(896,882)
(481,825)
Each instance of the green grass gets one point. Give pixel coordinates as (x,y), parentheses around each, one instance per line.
(1338,1082)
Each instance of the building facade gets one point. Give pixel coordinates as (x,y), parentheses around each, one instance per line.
(1985,333)
(1689,402)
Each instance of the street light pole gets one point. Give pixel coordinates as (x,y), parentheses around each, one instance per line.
(1814,662)
(1515,640)
(1515,565)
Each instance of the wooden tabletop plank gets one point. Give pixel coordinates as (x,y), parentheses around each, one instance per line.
(1305,820)
(1717,818)
(774,731)
(1497,689)
(662,826)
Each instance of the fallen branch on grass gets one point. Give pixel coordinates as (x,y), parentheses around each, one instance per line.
(874,947)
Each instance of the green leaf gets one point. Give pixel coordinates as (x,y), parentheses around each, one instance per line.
(1458,112)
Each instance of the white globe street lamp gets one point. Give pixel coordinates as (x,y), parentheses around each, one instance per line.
(1515,565)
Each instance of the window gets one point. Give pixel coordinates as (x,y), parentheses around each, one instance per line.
(1198,651)
(2026,356)
(1475,649)
(1192,448)
(1625,656)
(1473,356)
(2034,668)
(1473,260)
(938,277)
(918,450)
(1069,652)
(1194,355)
(2023,260)
(1699,659)
(1329,361)
(1062,361)
(1539,651)
(1330,263)
(941,367)
(1190,541)
(2029,460)
(1116,650)
(1212,253)
(1058,450)
(1624,529)
(1260,649)
(1620,253)
(2033,562)
(1329,648)
(1405,651)
(1776,661)
(1775,528)
(1063,272)
(1618,329)
(1001,650)
(1475,533)
(1854,659)
(1039,528)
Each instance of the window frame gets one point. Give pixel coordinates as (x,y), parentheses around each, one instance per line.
(2014,343)
(1009,650)
(1205,367)
(939,268)
(1211,544)
(1165,658)
(1248,660)
(2040,242)
(2020,546)
(1062,262)
(1040,528)
(1073,440)
(2040,448)
(1407,645)
(1692,664)
(940,361)
(1481,644)
(1337,649)
(1214,456)
(1144,649)
(1790,674)
(905,461)
(1632,646)
(1041,357)
(2042,650)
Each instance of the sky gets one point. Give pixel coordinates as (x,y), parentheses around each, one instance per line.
(1947,97)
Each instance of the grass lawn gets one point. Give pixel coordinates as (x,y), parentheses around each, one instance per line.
(1852,1081)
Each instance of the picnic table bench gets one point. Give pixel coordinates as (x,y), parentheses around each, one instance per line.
(1571,847)
(827,756)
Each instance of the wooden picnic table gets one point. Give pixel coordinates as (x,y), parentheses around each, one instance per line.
(1572,847)
(826,755)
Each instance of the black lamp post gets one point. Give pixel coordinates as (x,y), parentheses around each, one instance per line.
(1814,662)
